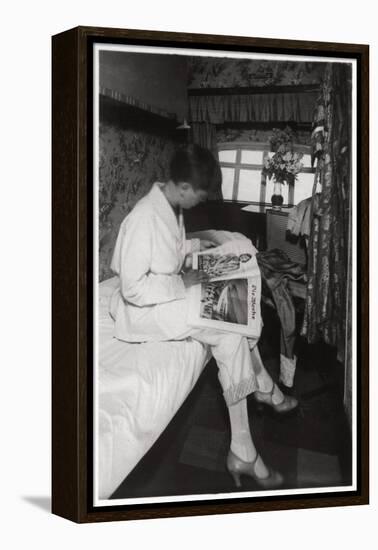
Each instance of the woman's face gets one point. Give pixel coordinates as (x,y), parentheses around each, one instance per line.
(189,197)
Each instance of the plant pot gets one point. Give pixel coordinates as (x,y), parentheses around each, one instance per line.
(277,198)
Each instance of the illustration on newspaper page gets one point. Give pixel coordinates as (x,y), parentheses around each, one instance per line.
(230,299)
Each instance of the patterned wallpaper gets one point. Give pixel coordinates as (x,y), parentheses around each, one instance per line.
(208,72)
(130,162)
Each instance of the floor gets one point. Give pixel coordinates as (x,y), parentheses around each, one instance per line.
(311,447)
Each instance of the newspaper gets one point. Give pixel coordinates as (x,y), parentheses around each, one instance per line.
(230,300)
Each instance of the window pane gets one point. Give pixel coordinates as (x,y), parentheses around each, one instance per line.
(227,156)
(306,160)
(249,185)
(303,187)
(227,182)
(252,157)
(269,191)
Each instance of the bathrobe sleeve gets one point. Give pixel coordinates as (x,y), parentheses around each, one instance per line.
(192,245)
(139,285)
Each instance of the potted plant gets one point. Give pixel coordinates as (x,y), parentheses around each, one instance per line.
(284,165)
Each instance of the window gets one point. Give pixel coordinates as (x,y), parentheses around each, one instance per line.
(241,165)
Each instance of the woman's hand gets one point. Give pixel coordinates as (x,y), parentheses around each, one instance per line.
(194,277)
(188,263)
(204,244)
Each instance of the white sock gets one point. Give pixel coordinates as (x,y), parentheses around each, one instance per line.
(287,370)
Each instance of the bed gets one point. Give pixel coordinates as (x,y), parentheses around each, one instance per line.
(140,387)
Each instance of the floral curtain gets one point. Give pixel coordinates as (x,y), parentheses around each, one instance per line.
(325,309)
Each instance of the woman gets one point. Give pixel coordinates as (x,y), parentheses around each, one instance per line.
(152,259)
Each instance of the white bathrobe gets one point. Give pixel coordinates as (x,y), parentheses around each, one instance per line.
(148,257)
(150,303)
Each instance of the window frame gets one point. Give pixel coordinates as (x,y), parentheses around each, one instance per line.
(240,146)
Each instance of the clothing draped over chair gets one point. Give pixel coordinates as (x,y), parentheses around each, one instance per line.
(276,271)
(299,219)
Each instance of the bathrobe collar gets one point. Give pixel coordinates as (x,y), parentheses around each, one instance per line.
(159,203)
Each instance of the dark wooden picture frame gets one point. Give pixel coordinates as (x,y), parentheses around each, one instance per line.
(72,174)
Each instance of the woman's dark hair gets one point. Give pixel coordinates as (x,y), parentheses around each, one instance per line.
(197,166)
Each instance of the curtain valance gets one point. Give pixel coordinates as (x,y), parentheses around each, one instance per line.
(274,107)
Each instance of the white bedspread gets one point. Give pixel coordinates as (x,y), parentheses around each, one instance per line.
(140,388)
